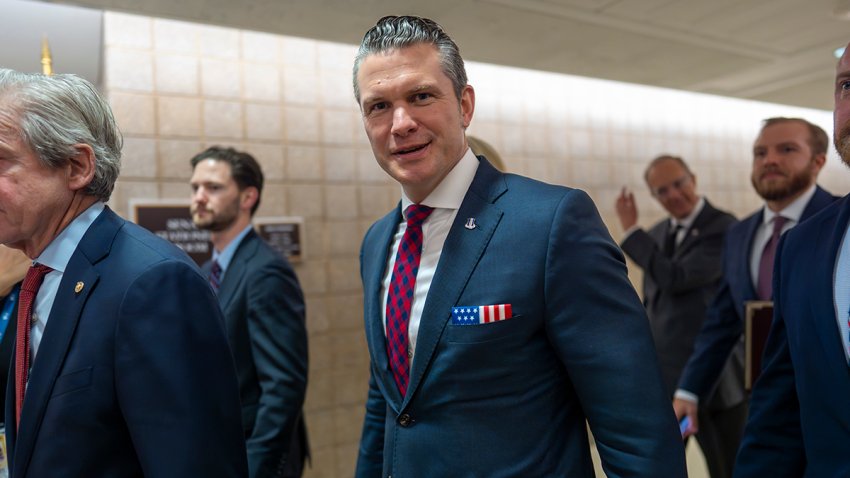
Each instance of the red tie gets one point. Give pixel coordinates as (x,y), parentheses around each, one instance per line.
(29,289)
(400,294)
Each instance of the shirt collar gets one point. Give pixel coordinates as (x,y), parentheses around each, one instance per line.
(792,211)
(58,253)
(450,192)
(688,221)
(226,255)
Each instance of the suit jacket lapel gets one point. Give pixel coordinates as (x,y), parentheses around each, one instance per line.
(461,252)
(742,272)
(61,324)
(373,276)
(236,269)
(823,291)
(693,233)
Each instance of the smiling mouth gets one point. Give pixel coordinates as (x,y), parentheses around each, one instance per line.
(411,150)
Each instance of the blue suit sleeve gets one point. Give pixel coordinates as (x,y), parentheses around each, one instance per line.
(721,330)
(175,379)
(371,455)
(278,337)
(600,331)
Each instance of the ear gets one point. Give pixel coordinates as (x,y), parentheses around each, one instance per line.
(81,167)
(819,160)
(467,105)
(248,197)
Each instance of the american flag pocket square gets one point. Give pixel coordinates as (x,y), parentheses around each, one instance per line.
(480,314)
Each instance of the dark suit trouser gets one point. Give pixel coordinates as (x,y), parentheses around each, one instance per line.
(720,433)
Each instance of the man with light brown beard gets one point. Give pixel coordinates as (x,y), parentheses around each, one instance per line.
(799,415)
(787,157)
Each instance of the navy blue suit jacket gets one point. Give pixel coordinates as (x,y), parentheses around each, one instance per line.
(133,376)
(511,398)
(799,421)
(723,326)
(264,316)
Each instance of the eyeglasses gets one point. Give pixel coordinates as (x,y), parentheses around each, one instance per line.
(677,185)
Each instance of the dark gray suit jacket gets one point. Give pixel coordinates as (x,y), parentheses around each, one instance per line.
(264,317)
(677,292)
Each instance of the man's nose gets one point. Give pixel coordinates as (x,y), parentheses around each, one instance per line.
(403,122)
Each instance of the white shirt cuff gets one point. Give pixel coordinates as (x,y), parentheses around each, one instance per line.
(687,396)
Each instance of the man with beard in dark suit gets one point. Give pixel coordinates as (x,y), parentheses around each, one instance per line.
(788,154)
(263,311)
(799,413)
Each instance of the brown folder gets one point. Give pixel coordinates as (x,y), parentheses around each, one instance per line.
(758,317)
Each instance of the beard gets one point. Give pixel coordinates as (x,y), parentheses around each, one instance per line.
(795,184)
(842,143)
(216,221)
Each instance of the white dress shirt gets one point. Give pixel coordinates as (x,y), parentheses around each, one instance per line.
(56,255)
(446,200)
(792,213)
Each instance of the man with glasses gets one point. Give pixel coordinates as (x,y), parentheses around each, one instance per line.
(680,258)
(787,157)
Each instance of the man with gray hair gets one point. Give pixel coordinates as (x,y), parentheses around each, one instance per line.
(499,316)
(121,366)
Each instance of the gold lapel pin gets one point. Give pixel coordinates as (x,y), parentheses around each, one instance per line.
(79,287)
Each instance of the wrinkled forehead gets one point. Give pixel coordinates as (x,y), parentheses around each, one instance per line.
(10,116)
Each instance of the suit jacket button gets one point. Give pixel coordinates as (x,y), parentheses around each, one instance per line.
(405,420)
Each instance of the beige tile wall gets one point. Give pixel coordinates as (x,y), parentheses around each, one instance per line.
(178,87)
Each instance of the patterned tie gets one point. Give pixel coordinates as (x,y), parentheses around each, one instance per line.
(400,294)
(215,276)
(765,282)
(29,289)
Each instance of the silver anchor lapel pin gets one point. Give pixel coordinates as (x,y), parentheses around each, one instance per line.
(470,223)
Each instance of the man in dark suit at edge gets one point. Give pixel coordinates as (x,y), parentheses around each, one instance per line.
(499,315)
(799,414)
(680,258)
(788,154)
(263,311)
(122,366)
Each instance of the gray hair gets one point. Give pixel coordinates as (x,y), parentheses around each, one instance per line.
(392,33)
(54,113)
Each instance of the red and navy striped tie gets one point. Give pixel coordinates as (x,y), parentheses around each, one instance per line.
(400,294)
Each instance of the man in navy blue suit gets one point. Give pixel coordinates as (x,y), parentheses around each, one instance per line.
(122,367)
(499,316)
(263,311)
(787,157)
(798,423)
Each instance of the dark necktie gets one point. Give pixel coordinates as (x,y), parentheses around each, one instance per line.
(215,276)
(670,240)
(400,294)
(29,289)
(765,279)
